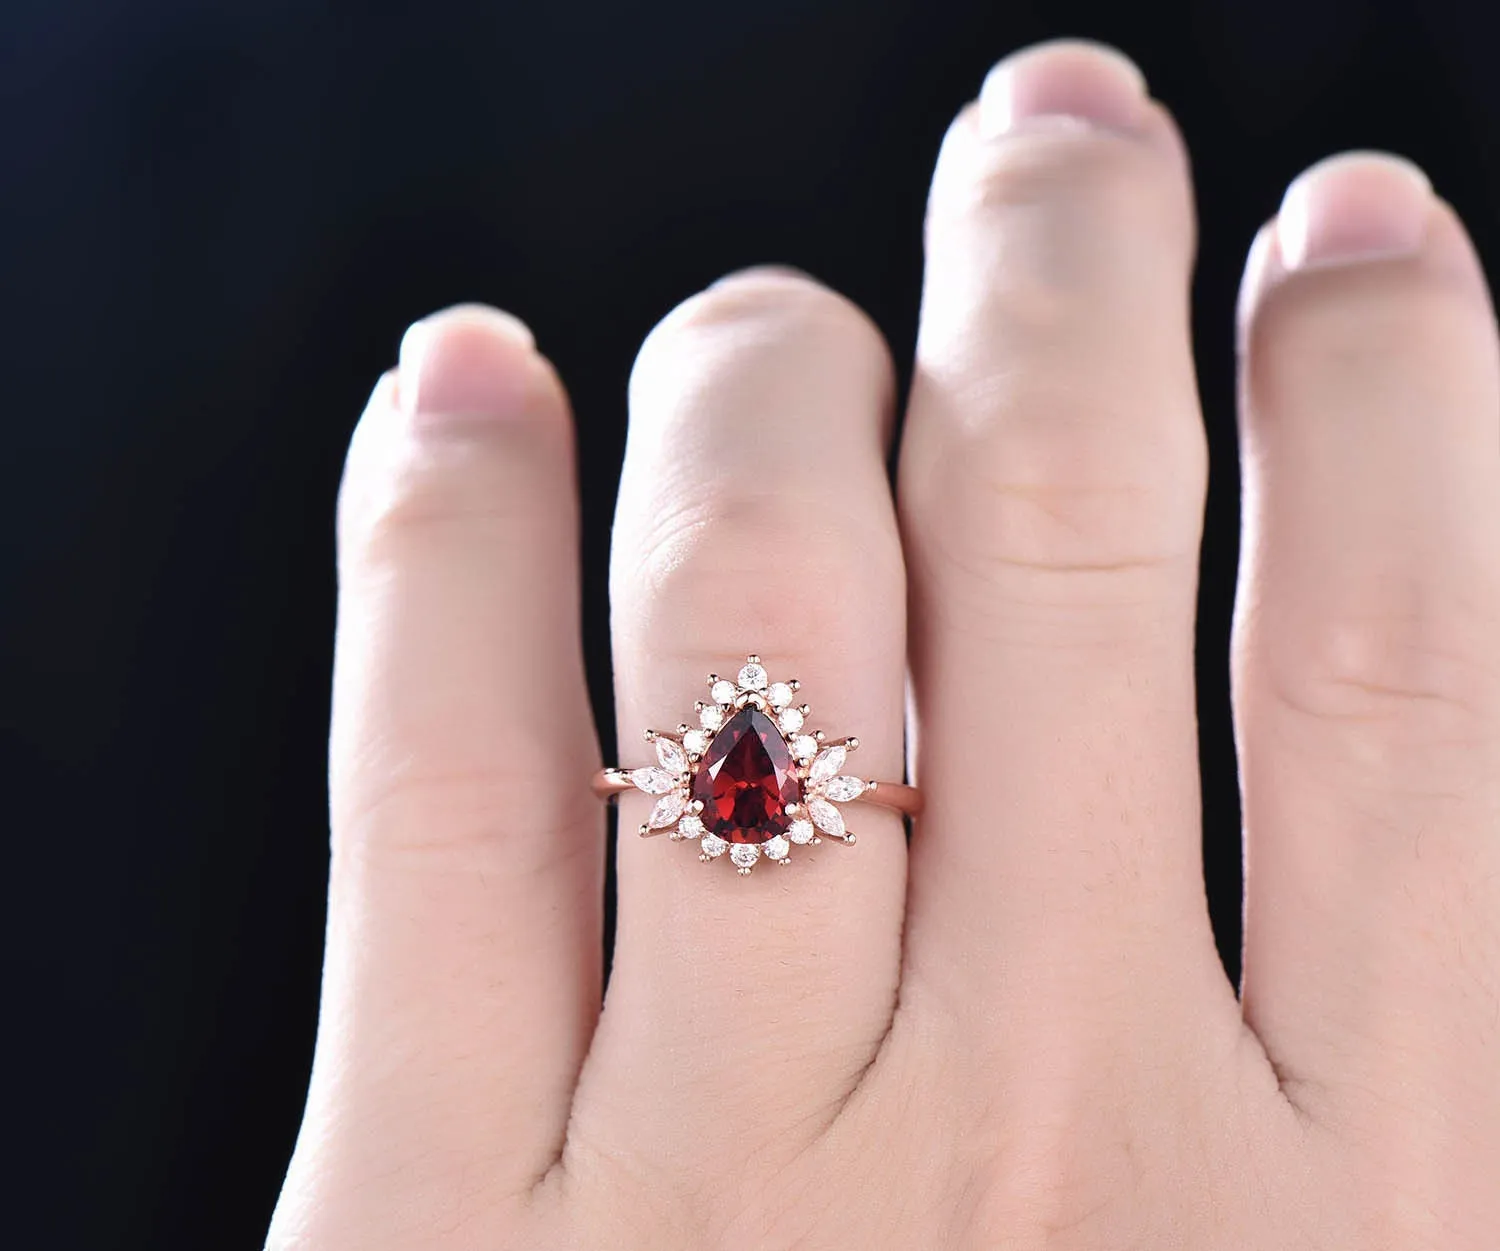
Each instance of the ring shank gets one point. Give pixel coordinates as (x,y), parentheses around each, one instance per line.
(608,783)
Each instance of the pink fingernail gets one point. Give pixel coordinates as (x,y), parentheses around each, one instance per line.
(1357,206)
(1090,83)
(467,359)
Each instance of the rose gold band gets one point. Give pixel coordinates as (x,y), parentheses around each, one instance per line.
(608,783)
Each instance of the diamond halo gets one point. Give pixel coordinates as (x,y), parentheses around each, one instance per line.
(749,783)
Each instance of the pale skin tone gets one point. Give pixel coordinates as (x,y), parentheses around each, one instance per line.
(1015,1032)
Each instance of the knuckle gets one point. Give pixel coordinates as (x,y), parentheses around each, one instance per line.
(403,486)
(1111,178)
(1398,659)
(732,565)
(1054,233)
(1056,481)
(421,805)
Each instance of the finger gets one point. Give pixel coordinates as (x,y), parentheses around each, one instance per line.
(1367,686)
(1051,486)
(462,976)
(755,516)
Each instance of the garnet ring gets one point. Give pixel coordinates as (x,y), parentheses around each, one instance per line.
(751,780)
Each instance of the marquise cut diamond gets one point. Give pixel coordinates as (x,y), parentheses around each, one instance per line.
(653,781)
(844,788)
(671,755)
(826,817)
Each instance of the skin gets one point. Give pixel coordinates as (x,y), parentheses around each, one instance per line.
(1016,1033)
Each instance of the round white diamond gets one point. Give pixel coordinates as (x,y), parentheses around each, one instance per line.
(696,741)
(710,718)
(671,755)
(830,760)
(826,817)
(753,678)
(800,832)
(690,827)
(744,855)
(777,848)
(653,781)
(668,809)
(791,720)
(844,788)
(722,692)
(803,746)
(713,846)
(780,695)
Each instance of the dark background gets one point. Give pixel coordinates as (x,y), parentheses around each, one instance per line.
(219,218)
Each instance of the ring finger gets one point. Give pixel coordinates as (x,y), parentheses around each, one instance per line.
(755,516)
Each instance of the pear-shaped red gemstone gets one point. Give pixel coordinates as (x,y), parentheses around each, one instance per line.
(746,781)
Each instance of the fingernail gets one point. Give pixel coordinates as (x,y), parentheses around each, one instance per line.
(466,359)
(1357,206)
(1090,83)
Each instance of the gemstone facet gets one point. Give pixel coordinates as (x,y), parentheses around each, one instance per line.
(746,781)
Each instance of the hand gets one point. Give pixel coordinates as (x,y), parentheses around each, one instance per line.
(1016,1032)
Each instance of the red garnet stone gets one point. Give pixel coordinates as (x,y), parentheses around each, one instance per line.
(745,780)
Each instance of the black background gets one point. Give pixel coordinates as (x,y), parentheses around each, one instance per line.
(218,219)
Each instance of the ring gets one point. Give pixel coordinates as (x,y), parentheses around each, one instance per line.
(751,780)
